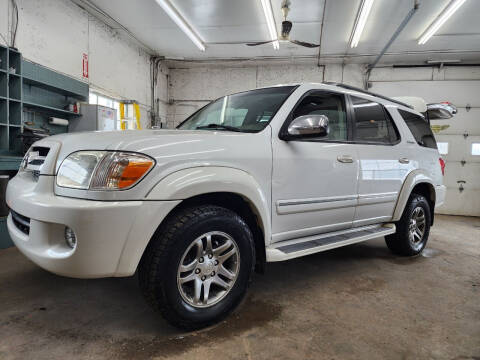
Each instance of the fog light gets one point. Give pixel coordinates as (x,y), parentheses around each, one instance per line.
(70,237)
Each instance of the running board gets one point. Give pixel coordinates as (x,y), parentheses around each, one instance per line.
(305,246)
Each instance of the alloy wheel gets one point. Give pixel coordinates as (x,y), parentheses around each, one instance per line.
(208,269)
(417,227)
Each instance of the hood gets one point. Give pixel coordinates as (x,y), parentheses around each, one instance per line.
(169,147)
(118,140)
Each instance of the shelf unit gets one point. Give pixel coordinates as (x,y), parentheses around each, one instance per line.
(30,94)
(10,117)
(50,109)
(10,104)
(47,94)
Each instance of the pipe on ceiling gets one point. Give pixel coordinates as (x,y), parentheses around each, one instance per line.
(397,32)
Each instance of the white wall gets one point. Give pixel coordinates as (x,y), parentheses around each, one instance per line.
(192,85)
(56,34)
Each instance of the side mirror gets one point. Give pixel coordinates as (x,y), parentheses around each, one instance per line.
(308,126)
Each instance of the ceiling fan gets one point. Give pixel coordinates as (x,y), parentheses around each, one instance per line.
(286,28)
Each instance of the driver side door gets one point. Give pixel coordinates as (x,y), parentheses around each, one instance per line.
(314,181)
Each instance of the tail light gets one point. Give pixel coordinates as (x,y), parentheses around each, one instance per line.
(442,165)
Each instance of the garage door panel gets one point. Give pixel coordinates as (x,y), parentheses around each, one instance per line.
(463,122)
(461,93)
(459,147)
(459,203)
(470,173)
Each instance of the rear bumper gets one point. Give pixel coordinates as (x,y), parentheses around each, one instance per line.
(111,235)
(440,192)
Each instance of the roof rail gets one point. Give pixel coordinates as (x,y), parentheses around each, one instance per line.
(348,87)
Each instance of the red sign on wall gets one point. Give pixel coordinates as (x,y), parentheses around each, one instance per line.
(85,66)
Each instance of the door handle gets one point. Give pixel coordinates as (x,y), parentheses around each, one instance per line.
(403,161)
(345,159)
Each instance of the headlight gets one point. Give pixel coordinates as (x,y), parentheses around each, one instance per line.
(103,170)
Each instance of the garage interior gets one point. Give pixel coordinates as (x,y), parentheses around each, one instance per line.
(149,65)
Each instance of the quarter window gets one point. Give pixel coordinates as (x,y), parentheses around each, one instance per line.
(330,105)
(420,129)
(372,123)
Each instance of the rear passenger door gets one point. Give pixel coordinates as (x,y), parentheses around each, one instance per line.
(383,161)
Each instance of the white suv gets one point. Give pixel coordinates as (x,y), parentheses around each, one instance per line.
(259,176)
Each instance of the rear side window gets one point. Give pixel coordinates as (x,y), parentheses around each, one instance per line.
(420,129)
(372,123)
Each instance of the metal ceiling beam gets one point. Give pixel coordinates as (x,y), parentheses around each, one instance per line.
(397,32)
(334,57)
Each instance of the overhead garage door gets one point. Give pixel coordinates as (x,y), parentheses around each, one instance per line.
(460,135)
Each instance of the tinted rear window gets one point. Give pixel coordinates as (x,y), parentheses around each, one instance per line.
(420,129)
(372,123)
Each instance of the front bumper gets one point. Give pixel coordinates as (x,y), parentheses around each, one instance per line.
(111,235)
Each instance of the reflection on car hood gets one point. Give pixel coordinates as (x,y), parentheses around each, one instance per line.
(165,146)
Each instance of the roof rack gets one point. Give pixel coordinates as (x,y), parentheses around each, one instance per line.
(348,87)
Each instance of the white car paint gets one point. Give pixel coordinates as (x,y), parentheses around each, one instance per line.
(296,189)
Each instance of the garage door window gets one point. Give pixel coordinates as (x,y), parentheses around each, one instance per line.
(442,148)
(420,129)
(372,123)
(476,149)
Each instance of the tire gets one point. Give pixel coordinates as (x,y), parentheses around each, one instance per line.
(408,240)
(183,240)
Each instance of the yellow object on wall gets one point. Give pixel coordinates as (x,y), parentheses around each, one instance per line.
(137,115)
(122,116)
(136,109)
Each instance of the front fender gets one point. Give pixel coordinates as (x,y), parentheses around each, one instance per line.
(414,178)
(186,183)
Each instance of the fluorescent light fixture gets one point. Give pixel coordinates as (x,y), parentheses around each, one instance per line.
(182,23)
(440,20)
(272,29)
(360,21)
(451,61)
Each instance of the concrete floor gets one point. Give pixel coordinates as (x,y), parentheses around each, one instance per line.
(358,302)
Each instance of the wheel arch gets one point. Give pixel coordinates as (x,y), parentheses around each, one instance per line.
(416,182)
(241,206)
(231,188)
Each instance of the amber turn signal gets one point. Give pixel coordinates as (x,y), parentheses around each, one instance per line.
(133,172)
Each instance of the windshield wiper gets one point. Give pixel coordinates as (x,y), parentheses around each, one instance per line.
(219,126)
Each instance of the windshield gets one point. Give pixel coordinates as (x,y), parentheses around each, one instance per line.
(248,111)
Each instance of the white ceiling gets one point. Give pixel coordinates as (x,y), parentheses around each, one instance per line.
(220,21)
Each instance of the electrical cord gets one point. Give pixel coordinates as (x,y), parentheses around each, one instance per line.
(154,69)
(14,27)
